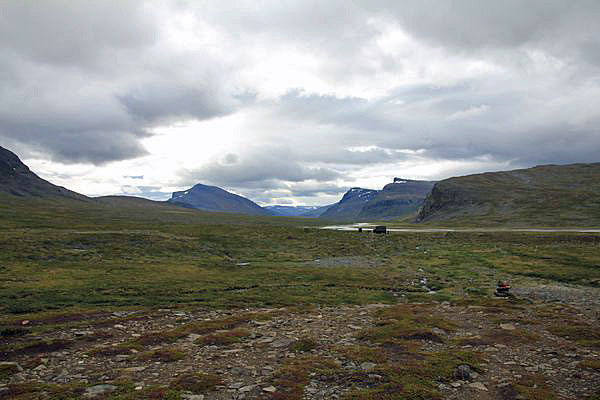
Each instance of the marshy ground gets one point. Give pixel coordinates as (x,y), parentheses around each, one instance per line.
(156,304)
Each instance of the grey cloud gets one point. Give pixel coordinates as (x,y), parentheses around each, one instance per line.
(471,24)
(261,165)
(313,189)
(85,81)
(148,192)
(72,33)
(505,124)
(171,101)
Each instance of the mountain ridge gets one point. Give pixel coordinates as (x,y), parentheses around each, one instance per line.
(551,195)
(216,199)
(18,180)
(396,199)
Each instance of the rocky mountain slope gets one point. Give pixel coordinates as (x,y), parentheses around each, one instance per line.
(351,204)
(212,198)
(546,195)
(18,180)
(397,199)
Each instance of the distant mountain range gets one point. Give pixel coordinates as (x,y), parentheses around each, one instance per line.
(546,195)
(212,198)
(17,179)
(397,199)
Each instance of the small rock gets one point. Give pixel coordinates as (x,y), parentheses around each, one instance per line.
(270,389)
(464,373)
(438,331)
(187,396)
(134,369)
(507,327)
(281,343)
(248,388)
(478,385)
(11,366)
(98,390)
(455,384)
(367,366)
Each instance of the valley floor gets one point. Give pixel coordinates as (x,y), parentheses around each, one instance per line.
(153,304)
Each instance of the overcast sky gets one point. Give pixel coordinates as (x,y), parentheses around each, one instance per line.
(294,102)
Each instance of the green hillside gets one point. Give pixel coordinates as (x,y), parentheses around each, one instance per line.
(547,195)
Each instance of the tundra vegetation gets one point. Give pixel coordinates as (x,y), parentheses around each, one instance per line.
(120,302)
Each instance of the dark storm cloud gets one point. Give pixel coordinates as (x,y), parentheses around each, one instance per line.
(507,81)
(73,33)
(85,81)
(172,101)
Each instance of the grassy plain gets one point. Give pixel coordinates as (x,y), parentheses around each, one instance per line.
(73,259)
(61,256)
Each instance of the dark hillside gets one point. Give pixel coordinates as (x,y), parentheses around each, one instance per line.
(18,180)
(396,199)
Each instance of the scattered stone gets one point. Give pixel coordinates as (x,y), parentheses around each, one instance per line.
(98,390)
(281,343)
(455,384)
(438,331)
(248,388)
(507,327)
(464,373)
(11,366)
(187,396)
(134,369)
(367,366)
(270,389)
(478,385)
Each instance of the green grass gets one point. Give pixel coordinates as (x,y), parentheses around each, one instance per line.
(73,258)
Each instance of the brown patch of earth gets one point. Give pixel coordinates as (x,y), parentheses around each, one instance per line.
(348,352)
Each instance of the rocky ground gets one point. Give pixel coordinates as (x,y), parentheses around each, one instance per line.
(542,344)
